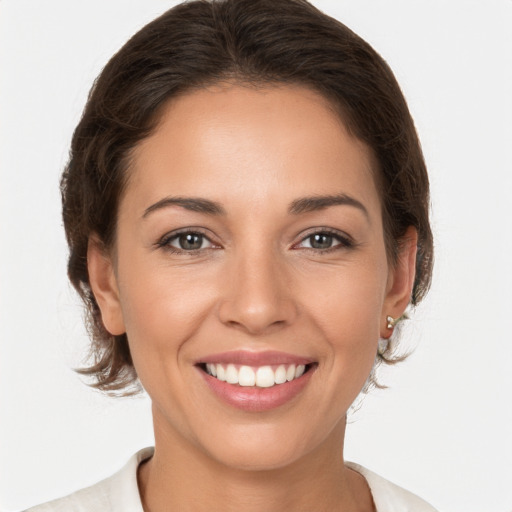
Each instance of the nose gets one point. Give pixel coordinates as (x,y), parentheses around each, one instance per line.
(258,297)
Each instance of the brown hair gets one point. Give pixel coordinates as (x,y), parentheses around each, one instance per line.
(201,42)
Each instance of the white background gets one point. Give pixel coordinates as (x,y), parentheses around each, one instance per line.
(444,428)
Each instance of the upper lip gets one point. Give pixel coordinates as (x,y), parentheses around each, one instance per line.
(251,358)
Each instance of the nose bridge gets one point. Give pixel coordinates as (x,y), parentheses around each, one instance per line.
(258,295)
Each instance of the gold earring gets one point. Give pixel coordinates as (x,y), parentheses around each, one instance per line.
(391,322)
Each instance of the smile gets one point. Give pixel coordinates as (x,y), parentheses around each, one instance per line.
(260,377)
(256,382)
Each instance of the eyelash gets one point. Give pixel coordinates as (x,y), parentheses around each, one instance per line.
(344,241)
(165,242)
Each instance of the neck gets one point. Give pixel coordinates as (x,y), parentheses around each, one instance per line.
(182,477)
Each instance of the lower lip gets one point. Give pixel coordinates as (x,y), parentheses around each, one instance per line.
(254,399)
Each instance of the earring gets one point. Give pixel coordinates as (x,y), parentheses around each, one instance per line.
(391,322)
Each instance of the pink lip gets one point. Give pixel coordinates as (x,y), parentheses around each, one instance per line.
(254,399)
(248,358)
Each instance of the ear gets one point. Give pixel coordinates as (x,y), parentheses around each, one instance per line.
(400,280)
(103,283)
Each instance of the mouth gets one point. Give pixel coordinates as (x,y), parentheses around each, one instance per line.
(265,376)
(256,382)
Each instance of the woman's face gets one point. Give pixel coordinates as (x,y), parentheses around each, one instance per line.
(250,245)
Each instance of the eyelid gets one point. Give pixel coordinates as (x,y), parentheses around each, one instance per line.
(346,241)
(164,241)
(176,238)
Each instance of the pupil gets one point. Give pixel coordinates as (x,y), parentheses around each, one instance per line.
(191,241)
(321,241)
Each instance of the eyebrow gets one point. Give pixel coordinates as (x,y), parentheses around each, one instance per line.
(194,204)
(314,203)
(297,207)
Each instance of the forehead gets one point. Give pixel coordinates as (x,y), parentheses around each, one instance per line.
(270,143)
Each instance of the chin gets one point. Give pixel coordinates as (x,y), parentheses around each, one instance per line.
(266,459)
(261,448)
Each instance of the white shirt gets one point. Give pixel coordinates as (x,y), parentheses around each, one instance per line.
(120,493)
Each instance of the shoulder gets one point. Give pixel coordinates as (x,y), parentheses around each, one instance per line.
(95,497)
(118,493)
(389,497)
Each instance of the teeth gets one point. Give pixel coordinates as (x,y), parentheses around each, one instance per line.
(261,377)
(212,369)
(265,377)
(246,376)
(290,373)
(280,375)
(299,370)
(231,374)
(221,374)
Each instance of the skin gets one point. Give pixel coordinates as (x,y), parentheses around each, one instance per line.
(255,284)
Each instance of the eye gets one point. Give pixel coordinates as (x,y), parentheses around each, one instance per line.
(190,241)
(186,241)
(325,240)
(319,241)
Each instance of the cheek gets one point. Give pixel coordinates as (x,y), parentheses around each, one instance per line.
(162,307)
(346,306)
(161,315)
(348,300)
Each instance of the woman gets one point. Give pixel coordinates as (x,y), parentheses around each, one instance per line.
(246,206)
